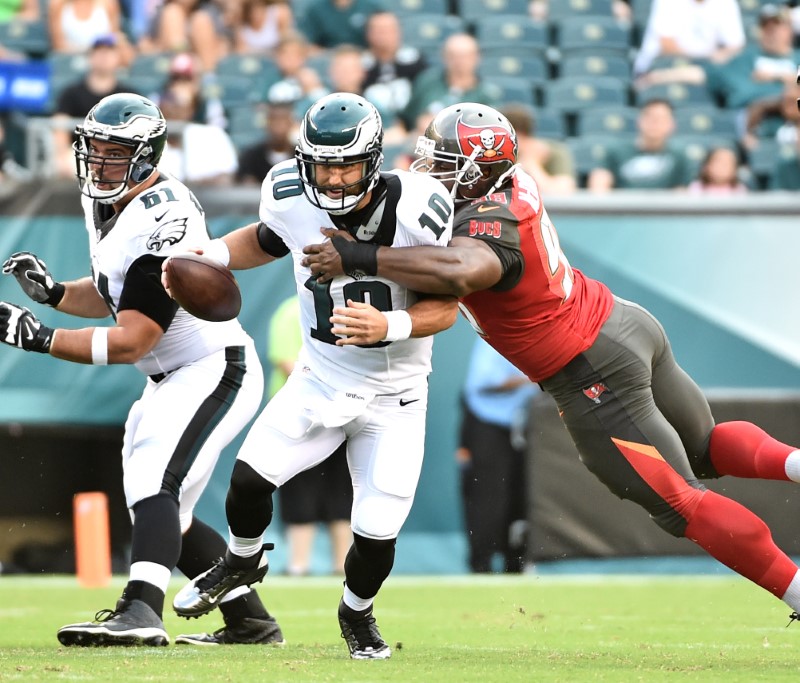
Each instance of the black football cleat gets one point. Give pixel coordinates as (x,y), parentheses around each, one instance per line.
(130,623)
(248,631)
(361,634)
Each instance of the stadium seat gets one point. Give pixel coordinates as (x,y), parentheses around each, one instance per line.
(233,91)
(259,70)
(763,160)
(29,37)
(641,11)
(592,34)
(508,89)
(696,146)
(510,32)
(246,125)
(677,94)
(475,11)
(405,7)
(569,8)
(573,94)
(67,66)
(704,119)
(616,66)
(148,85)
(428,32)
(608,121)
(156,64)
(534,68)
(549,124)
(588,153)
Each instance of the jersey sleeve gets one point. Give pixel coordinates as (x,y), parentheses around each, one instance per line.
(491,220)
(281,191)
(425,211)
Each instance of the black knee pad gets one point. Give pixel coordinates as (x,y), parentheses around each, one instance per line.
(372,549)
(248,505)
(246,482)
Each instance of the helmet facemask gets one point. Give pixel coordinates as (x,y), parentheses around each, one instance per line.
(351,193)
(454,170)
(128,121)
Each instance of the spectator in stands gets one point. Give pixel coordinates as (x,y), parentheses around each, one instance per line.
(322,494)
(649,162)
(299,82)
(719,174)
(346,73)
(196,153)
(263,24)
(491,457)
(786,175)
(76,100)
(550,162)
(391,67)
(762,70)
(328,23)
(456,81)
(206,28)
(278,144)
(697,29)
(185,69)
(10,170)
(21,10)
(774,118)
(75,25)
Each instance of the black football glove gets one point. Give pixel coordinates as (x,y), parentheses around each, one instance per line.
(34,278)
(21,328)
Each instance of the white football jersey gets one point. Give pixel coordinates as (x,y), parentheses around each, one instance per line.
(417,210)
(163,220)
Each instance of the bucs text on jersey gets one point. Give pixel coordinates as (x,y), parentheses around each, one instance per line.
(414,210)
(127,250)
(543,312)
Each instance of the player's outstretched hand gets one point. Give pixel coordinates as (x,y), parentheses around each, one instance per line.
(21,328)
(324,259)
(358,323)
(34,278)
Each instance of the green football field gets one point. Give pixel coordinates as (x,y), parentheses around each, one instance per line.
(442,629)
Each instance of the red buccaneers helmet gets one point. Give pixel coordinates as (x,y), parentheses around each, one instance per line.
(470,147)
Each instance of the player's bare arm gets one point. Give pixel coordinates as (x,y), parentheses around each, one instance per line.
(132,337)
(82,299)
(464,266)
(245,249)
(361,323)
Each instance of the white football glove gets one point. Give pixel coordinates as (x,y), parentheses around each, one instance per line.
(34,278)
(21,328)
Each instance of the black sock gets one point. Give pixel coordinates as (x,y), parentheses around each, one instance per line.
(147,593)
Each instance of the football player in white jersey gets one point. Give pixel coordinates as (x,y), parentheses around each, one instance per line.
(373,396)
(204,382)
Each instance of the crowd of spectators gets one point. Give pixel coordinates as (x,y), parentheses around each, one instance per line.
(673,80)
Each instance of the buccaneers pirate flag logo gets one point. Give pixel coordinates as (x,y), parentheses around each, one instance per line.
(493,143)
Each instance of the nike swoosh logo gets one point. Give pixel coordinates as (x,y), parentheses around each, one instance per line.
(161,216)
(404,402)
(482,209)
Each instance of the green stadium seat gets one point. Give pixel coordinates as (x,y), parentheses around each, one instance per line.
(475,11)
(677,94)
(571,95)
(560,9)
(616,66)
(156,64)
(696,146)
(589,152)
(704,119)
(592,34)
(29,37)
(510,32)
(405,7)
(549,124)
(507,89)
(534,68)
(428,32)
(608,121)
(259,70)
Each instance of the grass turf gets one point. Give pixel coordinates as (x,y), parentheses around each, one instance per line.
(442,629)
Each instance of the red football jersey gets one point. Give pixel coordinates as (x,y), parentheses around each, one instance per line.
(543,312)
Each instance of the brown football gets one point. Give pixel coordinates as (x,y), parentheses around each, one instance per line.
(204,287)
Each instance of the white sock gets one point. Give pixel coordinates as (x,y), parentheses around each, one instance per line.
(150,572)
(792,595)
(245,547)
(235,593)
(354,602)
(792,466)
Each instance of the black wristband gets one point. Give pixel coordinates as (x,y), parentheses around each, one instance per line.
(56,294)
(41,340)
(357,256)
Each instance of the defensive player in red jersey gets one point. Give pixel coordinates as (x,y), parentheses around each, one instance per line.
(640,423)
